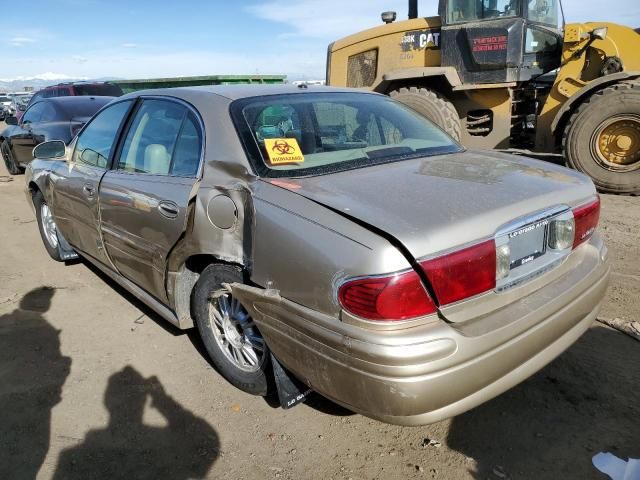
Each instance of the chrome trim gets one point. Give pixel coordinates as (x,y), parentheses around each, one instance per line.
(540,265)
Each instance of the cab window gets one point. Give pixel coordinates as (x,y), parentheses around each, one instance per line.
(459,11)
(544,11)
(96,141)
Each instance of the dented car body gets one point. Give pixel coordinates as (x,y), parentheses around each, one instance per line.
(382,265)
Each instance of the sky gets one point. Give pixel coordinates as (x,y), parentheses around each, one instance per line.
(147,38)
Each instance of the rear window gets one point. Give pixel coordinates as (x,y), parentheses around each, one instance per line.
(85,108)
(106,89)
(318,133)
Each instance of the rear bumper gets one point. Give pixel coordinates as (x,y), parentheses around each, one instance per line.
(427,373)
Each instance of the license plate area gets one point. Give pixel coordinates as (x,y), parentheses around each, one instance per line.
(528,243)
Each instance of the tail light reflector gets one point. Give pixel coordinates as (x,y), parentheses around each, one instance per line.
(399,296)
(586,219)
(464,273)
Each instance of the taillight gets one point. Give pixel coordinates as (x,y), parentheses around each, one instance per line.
(398,296)
(463,273)
(586,220)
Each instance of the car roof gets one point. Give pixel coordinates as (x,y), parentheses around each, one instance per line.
(235,92)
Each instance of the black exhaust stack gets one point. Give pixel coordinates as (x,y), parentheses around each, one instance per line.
(413,9)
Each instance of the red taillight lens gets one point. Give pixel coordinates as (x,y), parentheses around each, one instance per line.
(586,219)
(395,297)
(463,273)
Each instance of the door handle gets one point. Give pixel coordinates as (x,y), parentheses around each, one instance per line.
(168,209)
(88,189)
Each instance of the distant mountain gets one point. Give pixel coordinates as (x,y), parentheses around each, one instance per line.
(37,82)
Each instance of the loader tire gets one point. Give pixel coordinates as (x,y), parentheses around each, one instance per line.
(602,138)
(431,105)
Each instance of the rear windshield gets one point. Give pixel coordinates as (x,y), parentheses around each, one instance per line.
(85,108)
(317,133)
(107,90)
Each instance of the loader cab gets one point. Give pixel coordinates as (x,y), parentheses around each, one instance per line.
(501,41)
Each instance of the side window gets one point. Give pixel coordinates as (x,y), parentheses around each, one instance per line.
(48,113)
(95,143)
(152,137)
(540,41)
(34,113)
(186,158)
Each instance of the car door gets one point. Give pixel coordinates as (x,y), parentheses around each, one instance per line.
(144,199)
(22,138)
(75,190)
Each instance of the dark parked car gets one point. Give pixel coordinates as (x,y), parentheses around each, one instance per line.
(334,232)
(75,89)
(48,119)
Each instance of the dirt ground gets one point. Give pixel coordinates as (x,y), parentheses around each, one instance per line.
(94,385)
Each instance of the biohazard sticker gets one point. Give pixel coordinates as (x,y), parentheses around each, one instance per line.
(283,150)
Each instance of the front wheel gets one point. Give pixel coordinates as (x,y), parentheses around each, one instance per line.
(228,332)
(602,138)
(47,227)
(9,161)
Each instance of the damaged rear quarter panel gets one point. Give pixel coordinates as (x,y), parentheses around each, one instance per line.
(305,251)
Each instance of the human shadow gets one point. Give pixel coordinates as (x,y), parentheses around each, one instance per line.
(32,373)
(551,425)
(127,448)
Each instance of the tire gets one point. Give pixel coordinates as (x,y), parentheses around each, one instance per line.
(9,161)
(235,329)
(589,141)
(47,227)
(431,105)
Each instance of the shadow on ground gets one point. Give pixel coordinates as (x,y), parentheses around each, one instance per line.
(551,425)
(126,448)
(32,373)
(145,309)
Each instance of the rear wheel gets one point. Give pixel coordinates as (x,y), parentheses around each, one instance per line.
(602,138)
(228,332)
(431,105)
(9,161)
(47,227)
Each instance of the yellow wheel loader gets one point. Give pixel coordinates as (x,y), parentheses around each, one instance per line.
(509,74)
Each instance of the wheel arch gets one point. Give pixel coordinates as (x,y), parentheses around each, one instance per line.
(182,279)
(563,115)
(439,79)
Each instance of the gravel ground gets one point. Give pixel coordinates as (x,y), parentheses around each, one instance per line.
(94,385)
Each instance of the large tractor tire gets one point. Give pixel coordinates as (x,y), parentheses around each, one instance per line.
(602,138)
(431,105)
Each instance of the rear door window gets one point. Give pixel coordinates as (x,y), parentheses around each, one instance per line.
(164,139)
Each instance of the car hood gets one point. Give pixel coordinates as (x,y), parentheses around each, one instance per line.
(433,204)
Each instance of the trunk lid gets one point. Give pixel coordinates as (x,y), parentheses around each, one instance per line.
(435,204)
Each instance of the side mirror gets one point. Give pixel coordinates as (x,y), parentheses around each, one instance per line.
(11,121)
(50,150)
(90,156)
(600,33)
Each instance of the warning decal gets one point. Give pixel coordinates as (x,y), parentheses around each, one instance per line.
(283,150)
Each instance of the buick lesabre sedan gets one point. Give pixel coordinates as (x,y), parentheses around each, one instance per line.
(334,233)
